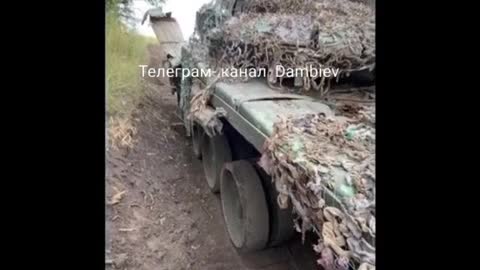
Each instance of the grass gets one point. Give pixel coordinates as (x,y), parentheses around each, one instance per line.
(125,50)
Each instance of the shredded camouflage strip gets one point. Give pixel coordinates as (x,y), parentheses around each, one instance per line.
(200,113)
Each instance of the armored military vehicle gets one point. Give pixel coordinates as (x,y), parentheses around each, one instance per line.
(285,151)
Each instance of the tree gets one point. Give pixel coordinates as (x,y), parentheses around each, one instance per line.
(123,8)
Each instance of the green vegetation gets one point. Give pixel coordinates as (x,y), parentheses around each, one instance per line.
(124,8)
(125,50)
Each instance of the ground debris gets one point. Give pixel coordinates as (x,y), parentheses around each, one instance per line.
(121,260)
(117,197)
(127,229)
(121,133)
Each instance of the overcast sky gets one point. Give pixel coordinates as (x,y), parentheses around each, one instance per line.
(183,11)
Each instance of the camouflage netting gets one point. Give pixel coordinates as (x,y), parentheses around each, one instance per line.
(297,34)
(290,33)
(326,168)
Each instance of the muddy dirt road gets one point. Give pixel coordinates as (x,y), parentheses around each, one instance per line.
(160,213)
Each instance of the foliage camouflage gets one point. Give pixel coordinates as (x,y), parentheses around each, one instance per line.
(324,166)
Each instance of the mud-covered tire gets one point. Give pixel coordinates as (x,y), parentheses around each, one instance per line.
(244,206)
(283,229)
(215,152)
(362,78)
(281,220)
(197,137)
(282,226)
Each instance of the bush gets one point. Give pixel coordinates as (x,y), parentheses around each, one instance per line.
(125,50)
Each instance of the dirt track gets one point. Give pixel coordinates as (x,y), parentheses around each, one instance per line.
(167,217)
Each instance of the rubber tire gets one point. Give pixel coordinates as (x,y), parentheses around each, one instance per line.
(363,78)
(244,206)
(197,137)
(282,228)
(215,152)
(281,220)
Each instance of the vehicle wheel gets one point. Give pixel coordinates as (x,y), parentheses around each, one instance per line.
(363,78)
(197,137)
(281,220)
(244,206)
(215,152)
